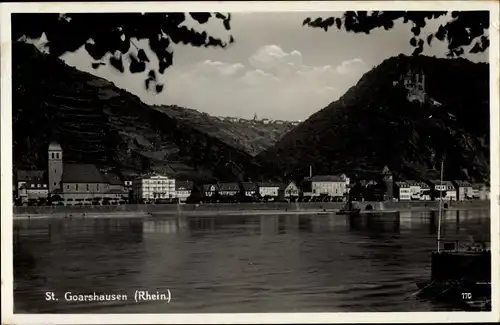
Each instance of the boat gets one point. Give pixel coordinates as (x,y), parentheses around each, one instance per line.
(348,208)
(460,273)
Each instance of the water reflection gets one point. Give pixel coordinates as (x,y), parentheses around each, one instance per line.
(266,263)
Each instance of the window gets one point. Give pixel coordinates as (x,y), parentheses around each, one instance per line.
(39,185)
(52,155)
(32,185)
(76,187)
(55,184)
(87,187)
(57,155)
(55,171)
(97,187)
(67,186)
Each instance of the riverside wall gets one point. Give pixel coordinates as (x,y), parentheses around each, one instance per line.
(240,207)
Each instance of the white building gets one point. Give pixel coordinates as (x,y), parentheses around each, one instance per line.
(448,191)
(464,190)
(183,189)
(291,190)
(153,187)
(268,189)
(415,190)
(404,191)
(329,185)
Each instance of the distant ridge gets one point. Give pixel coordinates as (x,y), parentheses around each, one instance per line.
(385,120)
(99,123)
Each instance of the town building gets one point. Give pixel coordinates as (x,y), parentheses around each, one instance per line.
(183,190)
(116,186)
(34,189)
(210,189)
(415,189)
(291,190)
(329,185)
(269,189)
(388,181)
(403,191)
(250,188)
(480,191)
(464,190)
(152,187)
(445,190)
(425,191)
(229,189)
(28,179)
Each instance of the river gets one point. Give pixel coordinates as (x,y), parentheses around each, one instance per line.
(235,264)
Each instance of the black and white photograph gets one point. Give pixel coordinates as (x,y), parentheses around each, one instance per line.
(172,160)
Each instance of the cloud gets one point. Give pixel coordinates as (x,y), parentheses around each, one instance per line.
(273,83)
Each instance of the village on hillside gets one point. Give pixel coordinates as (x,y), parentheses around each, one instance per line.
(84,184)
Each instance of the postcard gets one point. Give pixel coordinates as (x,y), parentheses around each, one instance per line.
(260,162)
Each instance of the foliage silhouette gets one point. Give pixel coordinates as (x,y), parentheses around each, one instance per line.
(113,33)
(463,29)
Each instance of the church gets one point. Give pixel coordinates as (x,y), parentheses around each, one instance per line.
(70,182)
(77,182)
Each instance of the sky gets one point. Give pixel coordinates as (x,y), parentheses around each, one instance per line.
(276,68)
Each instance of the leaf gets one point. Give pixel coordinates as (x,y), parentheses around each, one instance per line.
(136,66)
(152,75)
(141,55)
(96,65)
(97,53)
(201,17)
(306,21)
(413,42)
(117,63)
(429,39)
(227,22)
(166,62)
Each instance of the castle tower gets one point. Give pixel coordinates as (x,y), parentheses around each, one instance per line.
(55,167)
(388,181)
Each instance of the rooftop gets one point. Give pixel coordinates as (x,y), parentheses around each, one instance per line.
(54,146)
(82,173)
(324,178)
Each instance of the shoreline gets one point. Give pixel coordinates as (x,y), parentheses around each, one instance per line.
(223,212)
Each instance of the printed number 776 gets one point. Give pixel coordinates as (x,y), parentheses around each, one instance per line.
(466,295)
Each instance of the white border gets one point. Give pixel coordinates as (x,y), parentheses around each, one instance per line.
(6,163)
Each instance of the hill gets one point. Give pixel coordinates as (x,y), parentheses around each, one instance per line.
(384,120)
(96,122)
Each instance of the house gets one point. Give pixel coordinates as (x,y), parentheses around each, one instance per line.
(250,188)
(480,191)
(291,190)
(29,176)
(445,190)
(425,191)
(464,190)
(183,190)
(415,189)
(153,187)
(229,189)
(403,192)
(330,185)
(210,189)
(116,186)
(33,190)
(269,189)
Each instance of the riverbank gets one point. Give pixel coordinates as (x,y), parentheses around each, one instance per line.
(145,210)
